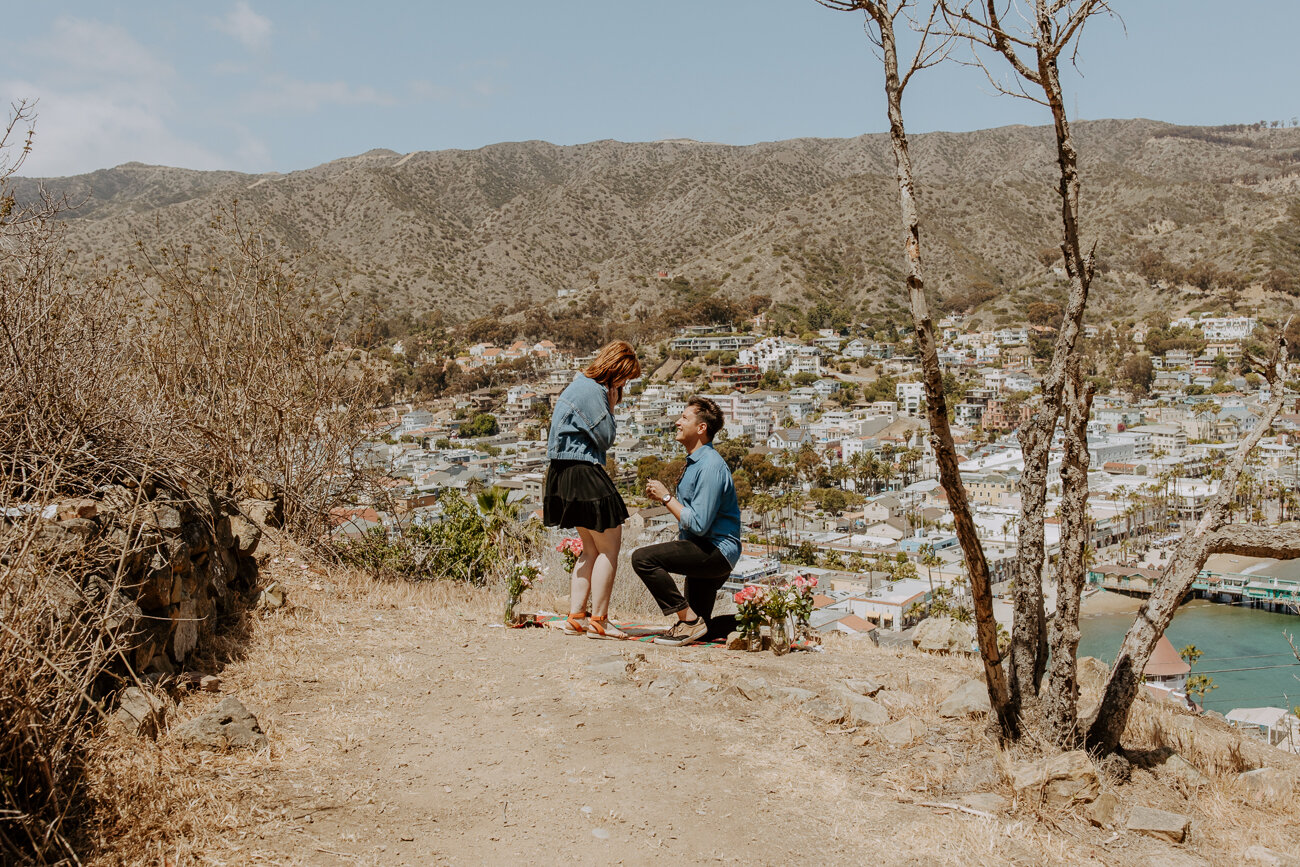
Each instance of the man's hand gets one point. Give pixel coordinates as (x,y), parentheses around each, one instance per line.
(656,489)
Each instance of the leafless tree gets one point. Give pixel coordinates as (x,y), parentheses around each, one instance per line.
(1033,47)
(881,18)
(1061,707)
(1212,535)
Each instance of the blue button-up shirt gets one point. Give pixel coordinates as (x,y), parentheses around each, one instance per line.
(710,511)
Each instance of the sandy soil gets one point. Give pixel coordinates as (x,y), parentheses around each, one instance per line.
(406,729)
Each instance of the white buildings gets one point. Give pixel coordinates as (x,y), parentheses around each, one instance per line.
(770,353)
(909,396)
(1169,439)
(1220,327)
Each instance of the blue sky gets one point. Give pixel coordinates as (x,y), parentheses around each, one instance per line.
(259,85)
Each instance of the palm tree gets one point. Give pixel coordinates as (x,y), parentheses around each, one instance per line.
(929,559)
(1190,654)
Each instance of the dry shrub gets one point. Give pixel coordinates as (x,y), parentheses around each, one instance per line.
(243,342)
(63,623)
(225,372)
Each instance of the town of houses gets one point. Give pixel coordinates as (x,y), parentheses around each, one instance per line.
(883,549)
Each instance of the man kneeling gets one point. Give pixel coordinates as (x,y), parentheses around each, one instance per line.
(708,543)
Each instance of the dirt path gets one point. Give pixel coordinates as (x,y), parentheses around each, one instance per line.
(406,729)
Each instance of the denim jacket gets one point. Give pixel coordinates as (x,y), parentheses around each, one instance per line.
(582,427)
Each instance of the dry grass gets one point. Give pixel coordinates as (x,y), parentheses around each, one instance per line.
(339,652)
(224,374)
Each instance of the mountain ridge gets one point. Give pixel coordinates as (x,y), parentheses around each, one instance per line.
(799,219)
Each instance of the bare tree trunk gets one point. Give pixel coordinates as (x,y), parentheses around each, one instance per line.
(936,406)
(1212,534)
(980,22)
(1029,644)
(1061,704)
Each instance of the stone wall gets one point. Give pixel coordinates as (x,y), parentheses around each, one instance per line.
(178,563)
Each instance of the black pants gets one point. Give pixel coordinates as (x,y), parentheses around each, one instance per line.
(705,570)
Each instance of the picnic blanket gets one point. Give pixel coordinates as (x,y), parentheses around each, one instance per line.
(638,631)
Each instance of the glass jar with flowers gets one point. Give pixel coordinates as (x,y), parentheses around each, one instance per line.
(801,605)
(749,616)
(776,605)
(524,576)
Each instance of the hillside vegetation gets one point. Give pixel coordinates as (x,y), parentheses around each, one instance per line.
(801,220)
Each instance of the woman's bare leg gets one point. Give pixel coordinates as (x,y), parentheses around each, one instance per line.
(580,581)
(605,547)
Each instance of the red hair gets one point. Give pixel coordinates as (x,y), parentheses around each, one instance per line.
(615,363)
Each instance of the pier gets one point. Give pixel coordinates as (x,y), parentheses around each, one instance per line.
(1233,588)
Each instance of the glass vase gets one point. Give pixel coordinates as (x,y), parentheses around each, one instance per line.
(780,636)
(509,617)
(802,629)
(753,640)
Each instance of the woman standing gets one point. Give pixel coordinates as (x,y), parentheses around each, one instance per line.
(579,492)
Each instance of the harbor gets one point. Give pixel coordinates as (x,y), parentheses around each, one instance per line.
(1244,648)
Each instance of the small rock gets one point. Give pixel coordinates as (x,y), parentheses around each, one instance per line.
(210,683)
(942,635)
(140,714)
(245,534)
(735,642)
(600,833)
(165,517)
(868,688)
(1160,824)
(754,689)
(1057,781)
(794,693)
(1266,785)
(1184,773)
(823,711)
(985,802)
(160,664)
(897,699)
(1103,811)
(969,699)
(663,686)
(266,513)
(903,732)
(864,711)
(271,597)
(227,725)
(1264,856)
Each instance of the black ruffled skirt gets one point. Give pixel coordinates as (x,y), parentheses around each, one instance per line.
(581,494)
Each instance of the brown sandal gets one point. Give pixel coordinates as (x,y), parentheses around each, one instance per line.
(600,627)
(576,623)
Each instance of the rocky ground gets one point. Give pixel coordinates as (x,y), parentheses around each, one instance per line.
(403,727)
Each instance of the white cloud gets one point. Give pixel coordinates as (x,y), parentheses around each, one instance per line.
(82,131)
(245,25)
(277,93)
(103,99)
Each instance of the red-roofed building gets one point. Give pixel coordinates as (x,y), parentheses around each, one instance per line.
(850,624)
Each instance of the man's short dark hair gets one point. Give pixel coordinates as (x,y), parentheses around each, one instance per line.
(708,412)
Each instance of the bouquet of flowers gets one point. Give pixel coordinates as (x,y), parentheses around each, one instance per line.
(801,602)
(571,548)
(776,605)
(523,577)
(749,610)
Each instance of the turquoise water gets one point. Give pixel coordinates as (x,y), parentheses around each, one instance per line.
(1230,637)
